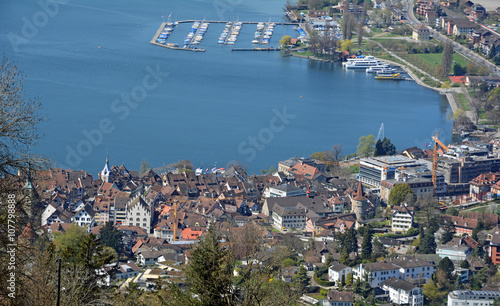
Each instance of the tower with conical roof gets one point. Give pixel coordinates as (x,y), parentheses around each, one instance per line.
(105,175)
(359,203)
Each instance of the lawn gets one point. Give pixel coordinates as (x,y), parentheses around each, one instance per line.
(435,58)
(317,296)
(463,101)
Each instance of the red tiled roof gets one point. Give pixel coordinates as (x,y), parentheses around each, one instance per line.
(458,79)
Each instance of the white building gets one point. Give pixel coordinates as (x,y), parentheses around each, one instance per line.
(414,270)
(285,217)
(375,273)
(374,170)
(403,293)
(472,297)
(454,252)
(84,217)
(338,298)
(139,213)
(285,190)
(402,218)
(336,271)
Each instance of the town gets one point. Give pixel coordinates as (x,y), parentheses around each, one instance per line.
(379,226)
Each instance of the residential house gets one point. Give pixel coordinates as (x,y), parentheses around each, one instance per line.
(339,298)
(464,28)
(337,271)
(84,217)
(481,186)
(421,32)
(375,273)
(305,171)
(413,270)
(401,292)
(402,218)
(124,270)
(494,250)
(378,4)
(460,224)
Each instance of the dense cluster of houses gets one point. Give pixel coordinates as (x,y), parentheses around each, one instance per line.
(161,215)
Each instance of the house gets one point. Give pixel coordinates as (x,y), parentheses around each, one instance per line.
(339,298)
(378,4)
(289,217)
(402,218)
(375,273)
(464,28)
(481,186)
(337,271)
(401,292)
(124,270)
(413,270)
(287,273)
(146,258)
(421,32)
(305,171)
(84,217)
(458,79)
(460,224)
(478,12)
(472,297)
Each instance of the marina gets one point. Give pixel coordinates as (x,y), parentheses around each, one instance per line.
(228,36)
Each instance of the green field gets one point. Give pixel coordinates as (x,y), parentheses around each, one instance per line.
(435,58)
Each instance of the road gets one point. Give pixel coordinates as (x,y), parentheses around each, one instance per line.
(412,21)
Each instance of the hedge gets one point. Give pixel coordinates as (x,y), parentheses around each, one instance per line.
(411,232)
(322,282)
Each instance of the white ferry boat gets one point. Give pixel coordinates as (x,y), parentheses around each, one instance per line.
(378,68)
(365,63)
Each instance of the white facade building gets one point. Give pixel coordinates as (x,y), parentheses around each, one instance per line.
(472,297)
(285,190)
(402,218)
(284,217)
(375,273)
(336,271)
(139,214)
(403,293)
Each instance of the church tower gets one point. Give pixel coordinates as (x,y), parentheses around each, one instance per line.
(105,175)
(359,203)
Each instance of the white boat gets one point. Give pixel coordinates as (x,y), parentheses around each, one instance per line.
(255,41)
(363,63)
(386,71)
(375,69)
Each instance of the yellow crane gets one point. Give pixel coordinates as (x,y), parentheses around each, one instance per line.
(175,220)
(435,158)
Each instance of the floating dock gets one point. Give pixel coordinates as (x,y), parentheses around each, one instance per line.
(256,49)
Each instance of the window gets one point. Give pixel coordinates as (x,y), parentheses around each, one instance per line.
(138,219)
(144,224)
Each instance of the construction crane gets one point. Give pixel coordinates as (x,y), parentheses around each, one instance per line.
(175,220)
(435,158)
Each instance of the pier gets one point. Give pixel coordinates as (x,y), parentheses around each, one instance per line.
(256,49)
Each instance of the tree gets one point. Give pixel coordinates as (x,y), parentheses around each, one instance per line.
(288,262)
(272,169)
(427,242)
(379,249)
(70,239)
(458,69)
(19,119)
(452,211)
(366,146)
(432,293)
(210,270)
(465,264)
(145,166)
(399,193)
(479,227)
(346,45)
(447,58)
(286,40)
(301,277)
(447,266)
(384,147)
(337,151)
(366,247)
(110,236)
(449,231)
(349,279)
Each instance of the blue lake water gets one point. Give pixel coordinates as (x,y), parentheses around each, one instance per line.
(86,57)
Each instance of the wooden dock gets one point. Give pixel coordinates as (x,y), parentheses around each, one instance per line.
(160,29)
